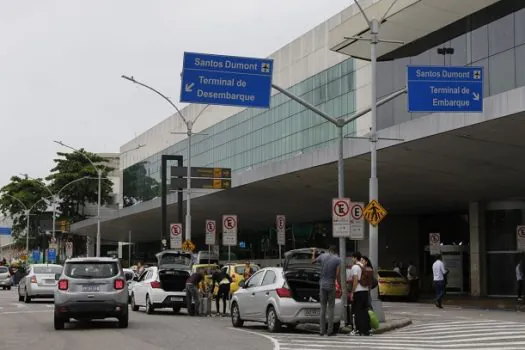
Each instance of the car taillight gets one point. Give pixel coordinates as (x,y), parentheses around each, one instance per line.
(382,281)
(63,285)
(283,292)
(119,284)
(155,284)
(33,279)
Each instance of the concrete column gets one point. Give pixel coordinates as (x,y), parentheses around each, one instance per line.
(90,246)
(477,249)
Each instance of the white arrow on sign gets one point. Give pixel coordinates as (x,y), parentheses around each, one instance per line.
(189,87)
(475,96)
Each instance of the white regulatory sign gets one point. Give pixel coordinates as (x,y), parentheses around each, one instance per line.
(280,224)
(69,249)
(176,236)
(357,221)
(520,236)
(434,240)
(341,217)
(211,229)
(229,230)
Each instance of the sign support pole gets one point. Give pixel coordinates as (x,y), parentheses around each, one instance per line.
(129,248)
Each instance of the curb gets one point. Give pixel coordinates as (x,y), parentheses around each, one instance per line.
(496,307)
(384,327)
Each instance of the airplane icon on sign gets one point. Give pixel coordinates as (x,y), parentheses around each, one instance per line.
(265,68)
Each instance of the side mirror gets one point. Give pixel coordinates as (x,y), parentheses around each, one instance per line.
(242,284)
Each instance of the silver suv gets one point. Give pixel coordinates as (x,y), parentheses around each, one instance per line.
(91,288)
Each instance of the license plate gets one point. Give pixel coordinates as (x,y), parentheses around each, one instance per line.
(90,288)
(49,281)
(176,299)
(312,312)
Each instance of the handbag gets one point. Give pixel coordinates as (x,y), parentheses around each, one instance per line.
(374,321)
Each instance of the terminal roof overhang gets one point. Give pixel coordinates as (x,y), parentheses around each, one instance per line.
(446,161)
(407,21)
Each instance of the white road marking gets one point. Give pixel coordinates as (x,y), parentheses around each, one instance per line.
(23,312)
(275,343)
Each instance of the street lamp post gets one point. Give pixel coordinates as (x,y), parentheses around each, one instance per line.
(189,132)
(99,171)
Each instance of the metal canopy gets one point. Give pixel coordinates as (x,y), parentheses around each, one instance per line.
(406,21)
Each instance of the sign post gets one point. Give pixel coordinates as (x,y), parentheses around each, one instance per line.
(280,223)
(357,221)
(341,217)
(520,236)
(176,236)
(211,230)
(69,250)
(434,243)
(445,89)
(229,236)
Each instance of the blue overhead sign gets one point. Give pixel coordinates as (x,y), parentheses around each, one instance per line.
(226,80)
(35,256)
(445,89)
(5,231)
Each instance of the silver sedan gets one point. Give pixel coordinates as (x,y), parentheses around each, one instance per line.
(39,282)
(281,296)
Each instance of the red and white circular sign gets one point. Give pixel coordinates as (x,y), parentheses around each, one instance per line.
(281,222)
(434,238)
(341,208)
(176,230)
(356,211)
(521,231)
(230,222)
(210,226)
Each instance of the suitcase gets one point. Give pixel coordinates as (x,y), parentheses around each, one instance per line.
(205,306)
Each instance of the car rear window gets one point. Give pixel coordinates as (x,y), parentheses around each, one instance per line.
(3,269)
(389,274)
(94,269)
(47,269)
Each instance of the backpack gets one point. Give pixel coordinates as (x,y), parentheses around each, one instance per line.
(367,277)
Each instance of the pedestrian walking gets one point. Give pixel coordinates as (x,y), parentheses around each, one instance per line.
(192,292)
(413,279)
(439,272)
(223,280)
(330,264)
(362,279)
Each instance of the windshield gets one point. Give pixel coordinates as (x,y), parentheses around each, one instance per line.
(91,269)
(53,270)
(240,269)
(175,259)
(3,269)
(389,274)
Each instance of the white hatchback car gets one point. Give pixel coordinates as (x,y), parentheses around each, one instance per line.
(163,286)
(39,282)
(283,296)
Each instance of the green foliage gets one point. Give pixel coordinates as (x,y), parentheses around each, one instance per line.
(74,196)
(138,186)
(30,193)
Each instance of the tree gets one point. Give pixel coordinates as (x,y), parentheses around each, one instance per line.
(32,193)
(73,197)
(138,186)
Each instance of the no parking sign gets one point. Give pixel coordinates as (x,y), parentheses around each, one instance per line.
(520,236)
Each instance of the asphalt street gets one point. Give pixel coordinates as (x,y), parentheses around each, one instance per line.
(29,326)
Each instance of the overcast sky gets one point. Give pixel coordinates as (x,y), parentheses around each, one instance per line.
(61,62)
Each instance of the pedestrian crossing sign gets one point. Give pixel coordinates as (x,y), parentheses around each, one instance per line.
(188,246)
(374,213)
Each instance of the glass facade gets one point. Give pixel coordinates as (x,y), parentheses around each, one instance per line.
(498,46)
(257,136)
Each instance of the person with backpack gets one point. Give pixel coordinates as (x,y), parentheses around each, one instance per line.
(223,280)
(362,280)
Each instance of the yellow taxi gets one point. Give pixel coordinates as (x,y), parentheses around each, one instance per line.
(208,269)
(392,284)
(236,272)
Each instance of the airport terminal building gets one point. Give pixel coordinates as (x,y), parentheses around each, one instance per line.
(456,174)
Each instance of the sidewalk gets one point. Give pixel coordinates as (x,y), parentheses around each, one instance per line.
(390,324)
(487,303)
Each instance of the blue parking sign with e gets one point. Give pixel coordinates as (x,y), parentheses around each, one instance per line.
(36,256)
(51,254)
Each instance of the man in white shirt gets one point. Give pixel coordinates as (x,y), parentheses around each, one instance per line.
(439,271)
(359,296)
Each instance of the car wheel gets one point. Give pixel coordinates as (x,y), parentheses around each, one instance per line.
(134,306)
(123,321)
(20,297)
(236,316)
(27,298)
(149,307)
(3,288)
(9,288)
(176,309)
(58,323)
(272,322)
